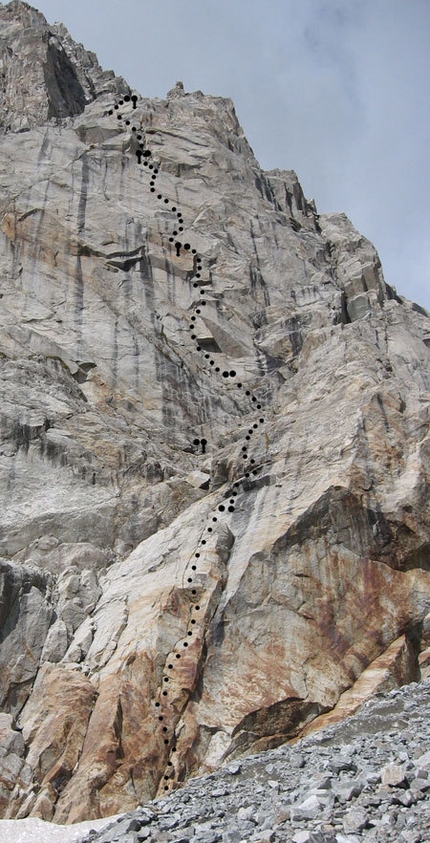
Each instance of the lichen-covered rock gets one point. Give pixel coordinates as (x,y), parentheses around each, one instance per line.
(214,444)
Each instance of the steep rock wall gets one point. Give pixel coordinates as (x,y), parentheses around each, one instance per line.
(214,456)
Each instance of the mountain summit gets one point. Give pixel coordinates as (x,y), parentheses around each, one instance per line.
(214,453)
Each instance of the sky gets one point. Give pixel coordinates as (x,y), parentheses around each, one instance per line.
(338,90)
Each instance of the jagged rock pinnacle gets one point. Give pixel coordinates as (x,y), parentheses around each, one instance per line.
(176,91)
(45,74)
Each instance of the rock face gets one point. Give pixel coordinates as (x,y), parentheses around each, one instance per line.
(367,778)
(215,452)
(44,74)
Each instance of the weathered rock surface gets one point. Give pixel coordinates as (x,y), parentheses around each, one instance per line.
(191,569)
(367,778)
(44,74)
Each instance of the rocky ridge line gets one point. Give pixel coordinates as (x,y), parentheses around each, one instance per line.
(44,75)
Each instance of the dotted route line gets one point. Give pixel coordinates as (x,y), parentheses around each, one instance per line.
(227,502)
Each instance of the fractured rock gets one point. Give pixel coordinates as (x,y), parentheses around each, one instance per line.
(167,607)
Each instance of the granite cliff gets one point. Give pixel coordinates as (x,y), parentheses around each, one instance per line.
(214,454)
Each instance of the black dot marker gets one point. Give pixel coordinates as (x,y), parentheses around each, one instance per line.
(142,157)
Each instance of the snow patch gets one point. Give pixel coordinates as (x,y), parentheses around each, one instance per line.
(33,830)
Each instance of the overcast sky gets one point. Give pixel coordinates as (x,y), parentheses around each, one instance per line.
(338,90)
